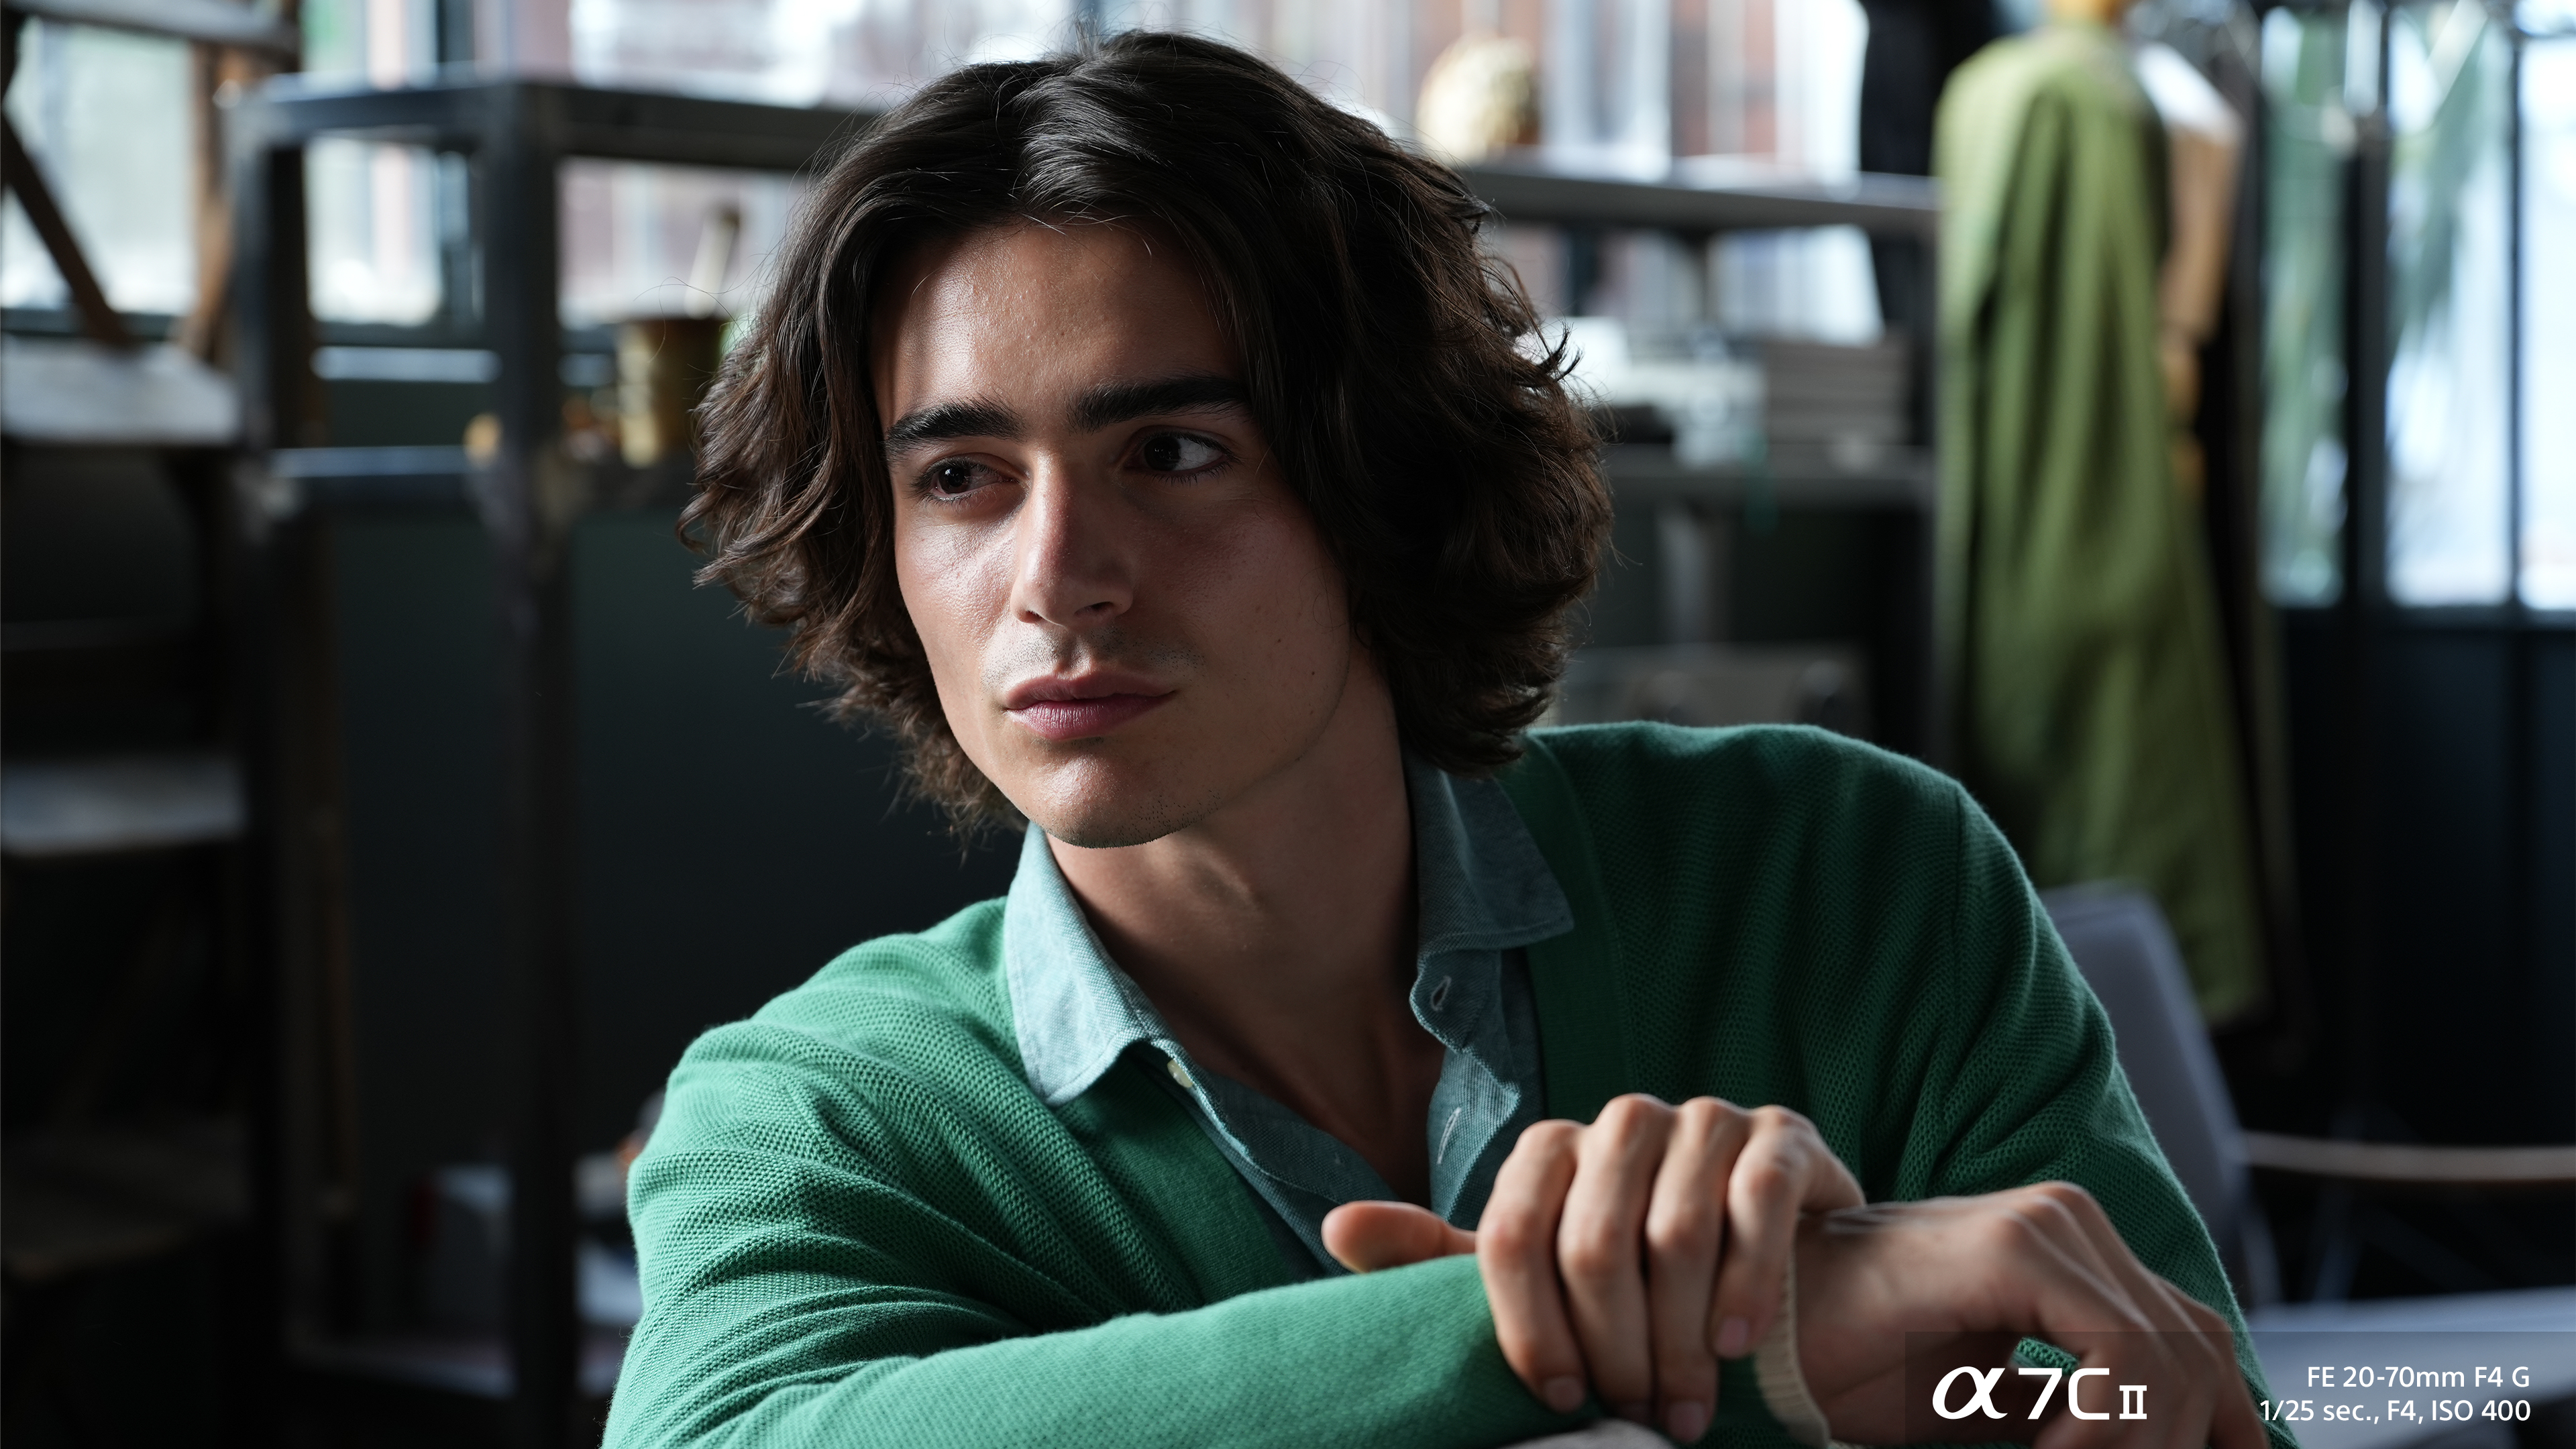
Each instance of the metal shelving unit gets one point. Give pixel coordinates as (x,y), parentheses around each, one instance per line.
(529,495)
(1880,500)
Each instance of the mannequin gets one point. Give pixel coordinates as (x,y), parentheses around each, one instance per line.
(2084,244)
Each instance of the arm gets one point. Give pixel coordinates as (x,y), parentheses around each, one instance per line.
(812,1277)
(2018,1089)
(2032,1092)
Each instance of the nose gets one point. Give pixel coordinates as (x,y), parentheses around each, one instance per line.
(1073,567)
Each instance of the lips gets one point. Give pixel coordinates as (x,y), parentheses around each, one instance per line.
(1058,710)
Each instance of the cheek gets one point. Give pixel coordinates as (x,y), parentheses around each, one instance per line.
(952,601)
(1284,600)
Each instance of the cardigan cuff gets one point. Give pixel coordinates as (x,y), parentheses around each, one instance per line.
(1784,1385)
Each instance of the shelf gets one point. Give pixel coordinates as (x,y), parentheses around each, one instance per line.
(59,808)
(84,1198)
(414,476)
(1692,199)
(567,120)
(442,477)
(473,1365)
(71,392)
(218,22)
(1719,684)
(1805,476)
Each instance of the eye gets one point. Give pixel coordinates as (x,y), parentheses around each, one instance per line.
(954,478)
(1178,453)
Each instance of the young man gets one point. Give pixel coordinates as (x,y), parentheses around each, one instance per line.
(1151,447)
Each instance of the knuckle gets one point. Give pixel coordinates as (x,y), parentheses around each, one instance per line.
(1772,1117)
(1766,1178)
(1509,1234)
(1627,1114)
(1591,1254)
(1551,1136)
(1683,1230)
(2017,1223)
(2067,1197)
(1701,1116)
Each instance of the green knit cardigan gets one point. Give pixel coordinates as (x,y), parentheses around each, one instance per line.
(858,1226)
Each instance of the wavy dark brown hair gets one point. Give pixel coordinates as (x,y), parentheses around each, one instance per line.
(1393,366)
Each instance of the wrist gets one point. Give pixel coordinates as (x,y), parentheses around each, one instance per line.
(1783,1381)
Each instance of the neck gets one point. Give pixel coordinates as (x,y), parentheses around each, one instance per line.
(1276,936)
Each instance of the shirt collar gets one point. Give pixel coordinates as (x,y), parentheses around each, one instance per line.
(1481,884)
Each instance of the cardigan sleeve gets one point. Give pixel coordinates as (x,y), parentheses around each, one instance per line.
(811,1279)
(2027,1086)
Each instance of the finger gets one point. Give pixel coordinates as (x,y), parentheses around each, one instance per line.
(1685,1229)
(1367,1236)
(2071,1289)
(1598,1249)
(1784,1170)
(2237,1424)
(2179,1349)
(1516,1255)
(2193,1349)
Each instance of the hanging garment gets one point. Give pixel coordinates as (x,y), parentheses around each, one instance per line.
(2089,704)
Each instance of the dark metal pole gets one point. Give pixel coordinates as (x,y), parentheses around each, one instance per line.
(2365,606)
(528,498)
(265,184)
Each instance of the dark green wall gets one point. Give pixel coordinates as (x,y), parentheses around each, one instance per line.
(733,839)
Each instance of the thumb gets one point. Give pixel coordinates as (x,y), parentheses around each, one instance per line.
(1367,1236)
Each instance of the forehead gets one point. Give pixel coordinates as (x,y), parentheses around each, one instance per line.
(1032,311)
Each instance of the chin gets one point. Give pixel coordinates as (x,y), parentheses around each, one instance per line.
(1101,803)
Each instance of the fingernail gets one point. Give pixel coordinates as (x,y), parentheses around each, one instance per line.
(1563,1395)
(1685,1422)
(1733,1337)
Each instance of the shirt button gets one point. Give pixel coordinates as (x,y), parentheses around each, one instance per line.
(1440,994)
(1180,1074)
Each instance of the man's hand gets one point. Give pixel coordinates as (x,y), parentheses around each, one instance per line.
(1958,1281)
(1596,1237)
(1633,1253)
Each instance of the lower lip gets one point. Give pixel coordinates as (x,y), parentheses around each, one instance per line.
(1081,719)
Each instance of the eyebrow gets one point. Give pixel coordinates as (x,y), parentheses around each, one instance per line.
(1112,403)
(941,421)
(1102,406)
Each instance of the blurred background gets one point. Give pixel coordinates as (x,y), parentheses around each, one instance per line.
(384,810)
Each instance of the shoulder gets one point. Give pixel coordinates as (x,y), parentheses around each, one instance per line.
(1657,780)
(1760,843)
(953,969)
(920,1006)
(2078,65)
(2020,112)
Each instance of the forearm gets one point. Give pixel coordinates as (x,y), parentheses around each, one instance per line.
(1403,1357)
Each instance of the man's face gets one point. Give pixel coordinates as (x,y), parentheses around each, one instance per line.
(1129,615)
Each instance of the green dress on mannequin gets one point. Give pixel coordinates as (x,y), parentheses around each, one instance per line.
(2089,703)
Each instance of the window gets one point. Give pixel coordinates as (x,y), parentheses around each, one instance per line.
(106,116)
(2450,244)
(2479,449)
(2549,323)
(2308,139)
(637,240)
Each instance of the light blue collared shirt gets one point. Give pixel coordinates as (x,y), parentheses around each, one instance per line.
(1484,893)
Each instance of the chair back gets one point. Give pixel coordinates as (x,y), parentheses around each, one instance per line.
(2127,955)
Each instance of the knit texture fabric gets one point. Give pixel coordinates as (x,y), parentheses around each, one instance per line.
(858,1225)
